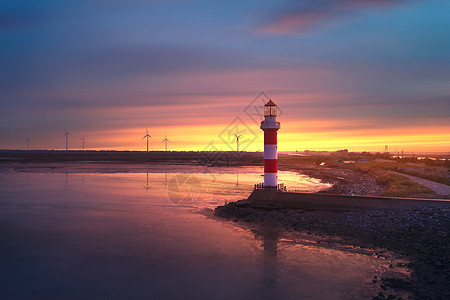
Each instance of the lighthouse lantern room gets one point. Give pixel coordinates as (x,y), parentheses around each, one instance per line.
(270,126)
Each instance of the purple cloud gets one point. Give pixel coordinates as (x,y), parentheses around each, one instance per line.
(300,16)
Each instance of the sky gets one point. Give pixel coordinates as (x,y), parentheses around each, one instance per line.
(345,74)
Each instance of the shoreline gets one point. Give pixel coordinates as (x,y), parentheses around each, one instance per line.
(344,181)
(374,178)
(422,234)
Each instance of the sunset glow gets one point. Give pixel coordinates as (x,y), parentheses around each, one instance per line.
(346,74)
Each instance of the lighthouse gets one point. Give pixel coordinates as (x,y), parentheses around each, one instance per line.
(270,127)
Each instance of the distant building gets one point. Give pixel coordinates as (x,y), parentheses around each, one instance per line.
(340,152)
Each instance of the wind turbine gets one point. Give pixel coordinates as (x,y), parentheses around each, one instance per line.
(83,141)
(165,140)
(28,143)
(66,134)
(237,141)
(146,136)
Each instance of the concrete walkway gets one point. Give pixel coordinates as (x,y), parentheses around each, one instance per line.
(438,188)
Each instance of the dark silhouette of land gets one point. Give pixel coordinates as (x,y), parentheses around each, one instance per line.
(209,158)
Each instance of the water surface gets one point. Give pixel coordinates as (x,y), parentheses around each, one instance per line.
(152,235)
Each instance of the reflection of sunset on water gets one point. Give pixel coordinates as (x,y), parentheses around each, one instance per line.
(122,233)
(199,187)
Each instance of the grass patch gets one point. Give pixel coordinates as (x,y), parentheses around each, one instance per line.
(399,186)
(418,170)
(432,177)
(395,185)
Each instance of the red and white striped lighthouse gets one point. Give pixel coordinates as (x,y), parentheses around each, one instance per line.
(270,127)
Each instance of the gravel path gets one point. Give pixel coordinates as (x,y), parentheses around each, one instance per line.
(438,188)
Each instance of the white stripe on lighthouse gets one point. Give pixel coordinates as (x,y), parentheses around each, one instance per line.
(270,179)
(270,152)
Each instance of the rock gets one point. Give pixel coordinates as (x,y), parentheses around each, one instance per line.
(410,232)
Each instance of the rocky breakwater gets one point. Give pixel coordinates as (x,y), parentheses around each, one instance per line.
(422,234)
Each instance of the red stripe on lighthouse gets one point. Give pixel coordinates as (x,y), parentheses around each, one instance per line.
(270,165)
(270,136)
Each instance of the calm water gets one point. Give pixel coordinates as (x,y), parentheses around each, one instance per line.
(151,235)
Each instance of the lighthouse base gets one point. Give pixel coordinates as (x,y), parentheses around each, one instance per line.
(317,201)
